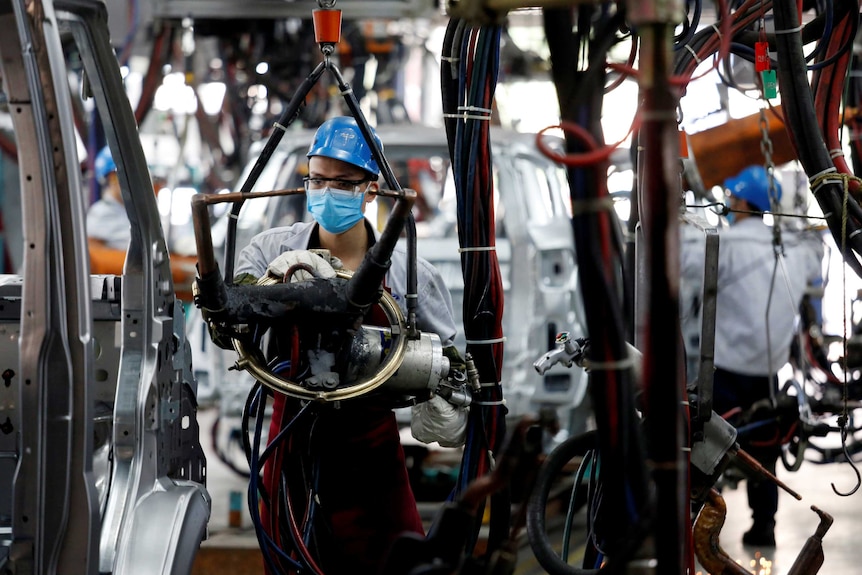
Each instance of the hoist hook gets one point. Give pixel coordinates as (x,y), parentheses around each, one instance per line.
(852,464)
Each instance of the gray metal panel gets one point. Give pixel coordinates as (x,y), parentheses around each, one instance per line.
(276,9)
(164,530)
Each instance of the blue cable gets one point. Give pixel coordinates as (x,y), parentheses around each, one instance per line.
(266,543)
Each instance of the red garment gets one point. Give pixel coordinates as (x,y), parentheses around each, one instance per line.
(365,498)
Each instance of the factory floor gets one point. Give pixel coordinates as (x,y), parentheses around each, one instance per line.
(234,550)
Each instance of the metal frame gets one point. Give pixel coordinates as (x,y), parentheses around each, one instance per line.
(276,9)
(157,459)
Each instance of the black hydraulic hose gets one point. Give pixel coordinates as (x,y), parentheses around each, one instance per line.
(547,477)
(363,289)
(287,118)
(449,80)
(804,129)
(409,224)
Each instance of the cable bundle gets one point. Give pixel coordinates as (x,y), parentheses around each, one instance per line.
(828,185)
(468,93)
(828,83)
(810,121)
(619,515)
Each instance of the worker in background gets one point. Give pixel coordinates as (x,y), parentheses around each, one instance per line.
(749,347)
(109,231)
(365,498)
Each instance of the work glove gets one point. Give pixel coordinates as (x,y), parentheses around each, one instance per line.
(440,421)
(299,262)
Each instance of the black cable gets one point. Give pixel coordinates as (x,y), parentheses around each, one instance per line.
(580,92)
(288,116)
(221,454)
(549,473)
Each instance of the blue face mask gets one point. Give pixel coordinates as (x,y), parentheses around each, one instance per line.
(335,210)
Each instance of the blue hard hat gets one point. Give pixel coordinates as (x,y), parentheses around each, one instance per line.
(341,139)
(104,164)
(752,185)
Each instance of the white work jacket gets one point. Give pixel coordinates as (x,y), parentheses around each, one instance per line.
(748,282)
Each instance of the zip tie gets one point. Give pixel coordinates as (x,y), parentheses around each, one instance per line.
(478,249)
(818,174)
(490,384)
(836,153)
(411,296)
(464,113)
(693,54)
(474,109)
(833,176)
(450,59)
(819,179)
(467,116)
(484,341)
(592,205)
(498,402)
(609,365)
(347,91)
(788,31)
(233,215)
(717,31)
(279,126)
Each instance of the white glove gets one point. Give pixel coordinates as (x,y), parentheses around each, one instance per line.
(440,421)
(318,260)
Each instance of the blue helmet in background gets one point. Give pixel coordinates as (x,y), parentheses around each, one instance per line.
(341,139)
(104,164)
(752,185)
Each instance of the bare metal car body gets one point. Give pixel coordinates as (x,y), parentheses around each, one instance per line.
(534,245)
(94,366)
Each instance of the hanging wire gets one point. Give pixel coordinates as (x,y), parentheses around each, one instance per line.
(843,419)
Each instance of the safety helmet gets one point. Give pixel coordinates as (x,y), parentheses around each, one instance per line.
(104,164)
(340,138)
(752,185)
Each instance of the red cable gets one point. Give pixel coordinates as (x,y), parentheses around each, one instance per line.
(595,154)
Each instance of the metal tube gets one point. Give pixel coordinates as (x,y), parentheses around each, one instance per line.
(663,373)
(810,558)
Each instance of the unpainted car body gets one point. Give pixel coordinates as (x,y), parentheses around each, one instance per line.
(101,469)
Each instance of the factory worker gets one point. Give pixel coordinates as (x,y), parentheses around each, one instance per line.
(365,499)
(749,347)
(109,231)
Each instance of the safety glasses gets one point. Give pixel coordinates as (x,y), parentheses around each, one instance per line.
(335,185)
